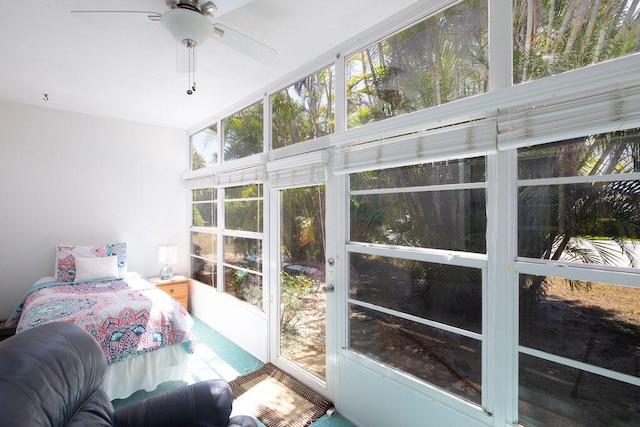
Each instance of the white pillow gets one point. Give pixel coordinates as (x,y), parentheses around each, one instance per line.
(96,268)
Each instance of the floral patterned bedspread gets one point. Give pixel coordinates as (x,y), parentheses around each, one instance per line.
(127,316)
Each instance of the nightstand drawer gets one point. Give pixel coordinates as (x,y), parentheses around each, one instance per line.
(177,287)
(176,290)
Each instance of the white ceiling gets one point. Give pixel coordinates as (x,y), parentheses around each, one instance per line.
(127,70)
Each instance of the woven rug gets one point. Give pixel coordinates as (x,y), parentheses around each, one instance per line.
(277,399)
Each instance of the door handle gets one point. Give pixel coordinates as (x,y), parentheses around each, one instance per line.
(328,289)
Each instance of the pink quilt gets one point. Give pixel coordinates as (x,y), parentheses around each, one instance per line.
(126,316)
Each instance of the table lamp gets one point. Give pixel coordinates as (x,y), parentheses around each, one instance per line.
(167,255)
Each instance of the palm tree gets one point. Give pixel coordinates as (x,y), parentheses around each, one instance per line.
(243,132)
(303,225)
(438,60)
(552,36)
(578,222)
(304,110)
(451,220)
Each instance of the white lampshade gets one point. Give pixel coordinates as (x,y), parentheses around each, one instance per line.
(167,254)
(184,24)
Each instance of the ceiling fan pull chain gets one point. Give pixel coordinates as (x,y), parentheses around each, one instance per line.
(193,77)
(189,71)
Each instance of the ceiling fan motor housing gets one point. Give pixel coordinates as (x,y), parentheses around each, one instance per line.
(206,8)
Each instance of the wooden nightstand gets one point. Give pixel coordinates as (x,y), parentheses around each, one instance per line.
(177,286)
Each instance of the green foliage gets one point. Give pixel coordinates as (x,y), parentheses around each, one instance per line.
(304,110)
(294,289)
(198,221)
(245,286)
(303,228)
(433,62)
(453,220)
(243,132)
(197,161)
(551,37)
(246,213)
(560,221)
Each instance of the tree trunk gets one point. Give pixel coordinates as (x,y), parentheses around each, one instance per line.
(578,23)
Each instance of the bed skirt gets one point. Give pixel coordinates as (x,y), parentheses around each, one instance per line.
(145,371)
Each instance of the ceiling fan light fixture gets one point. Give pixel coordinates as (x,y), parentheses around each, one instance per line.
(187,25)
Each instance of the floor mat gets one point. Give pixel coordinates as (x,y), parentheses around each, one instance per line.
(277,399)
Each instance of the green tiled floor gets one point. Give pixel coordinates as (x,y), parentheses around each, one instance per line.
(216,356)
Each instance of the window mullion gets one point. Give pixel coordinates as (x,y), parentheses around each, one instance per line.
(501,299)
(220,241)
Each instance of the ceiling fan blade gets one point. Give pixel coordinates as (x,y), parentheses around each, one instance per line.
(244,44)
(119,16)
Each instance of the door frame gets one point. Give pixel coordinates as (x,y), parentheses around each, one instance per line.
(328,386)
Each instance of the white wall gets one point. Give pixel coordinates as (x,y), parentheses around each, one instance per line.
(239,321)
(68,178)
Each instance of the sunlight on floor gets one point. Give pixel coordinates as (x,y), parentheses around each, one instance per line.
(215,356)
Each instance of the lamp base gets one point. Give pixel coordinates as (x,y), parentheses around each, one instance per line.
(166,272)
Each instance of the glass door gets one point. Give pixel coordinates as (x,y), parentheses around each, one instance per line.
(302,288)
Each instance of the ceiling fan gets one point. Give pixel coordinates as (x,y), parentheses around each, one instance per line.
(189,23)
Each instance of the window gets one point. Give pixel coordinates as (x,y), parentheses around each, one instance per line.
(438,60)
(571,35)
(204,148)
(491,245)
(410,306)
(243,133)
(578,204)
(304,110)
(408,207)
(203,238)
(240,233)
(242,240)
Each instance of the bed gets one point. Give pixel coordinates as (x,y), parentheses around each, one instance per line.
(145,334)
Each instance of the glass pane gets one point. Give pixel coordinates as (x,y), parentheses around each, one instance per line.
(203,257)
(203,245)
(243,252)
(454,220)
(204,194)
(557,36)
(245,216)
(440,173)
(447,294)
(243,192)
(204,214)
(438,60)
(596,223)
(595,323)
(304,110)
(203,271)
(243,285)
(204,147)
(204,208)
(243,133)
(555,395)
(605,154)
(302,300)
(449,361)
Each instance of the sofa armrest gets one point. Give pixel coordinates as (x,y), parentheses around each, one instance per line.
(203,403)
